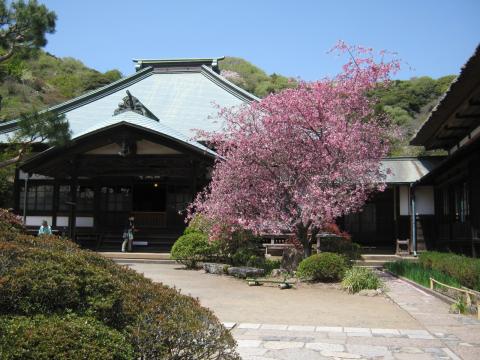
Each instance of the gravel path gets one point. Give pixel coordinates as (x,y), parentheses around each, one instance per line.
(321,322)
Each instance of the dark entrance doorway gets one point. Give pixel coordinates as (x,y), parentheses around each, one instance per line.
(149,197)
(149,205)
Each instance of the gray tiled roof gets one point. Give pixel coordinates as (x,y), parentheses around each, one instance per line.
(143,122)
(406,170)
(183,100)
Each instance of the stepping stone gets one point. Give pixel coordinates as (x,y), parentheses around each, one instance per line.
(248,326)
(338,329)
(280,345)
(244,343)
(325,346)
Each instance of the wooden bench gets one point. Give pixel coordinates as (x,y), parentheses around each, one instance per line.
(403,243)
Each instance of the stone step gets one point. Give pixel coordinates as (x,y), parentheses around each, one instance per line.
(380,257)
(135,255)
(369,263)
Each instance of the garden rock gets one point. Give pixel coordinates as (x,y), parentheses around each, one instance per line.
(369,293)
(291,258)
(244,271)
(215,268)
(279,273)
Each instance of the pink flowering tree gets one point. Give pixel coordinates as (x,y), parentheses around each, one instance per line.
(298,159)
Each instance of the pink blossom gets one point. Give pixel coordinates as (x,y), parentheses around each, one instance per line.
(297,160)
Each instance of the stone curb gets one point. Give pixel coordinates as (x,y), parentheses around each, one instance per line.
(350,331)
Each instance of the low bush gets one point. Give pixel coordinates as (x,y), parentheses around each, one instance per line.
(418,273)
(62,338)
(191,248)
(343,246)
(52,278)
(323,267)
(464,269)
(358,278)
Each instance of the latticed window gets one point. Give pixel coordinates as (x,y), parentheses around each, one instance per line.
(462,209)
(115,198)
(445,202)
(39,197)
(85,198)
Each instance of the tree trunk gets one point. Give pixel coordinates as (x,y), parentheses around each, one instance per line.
(302,236)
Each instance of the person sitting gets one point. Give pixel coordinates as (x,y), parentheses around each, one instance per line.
(45,229)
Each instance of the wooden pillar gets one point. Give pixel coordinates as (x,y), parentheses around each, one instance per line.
(396,212)
(56,192)
(193,180)
(16,191)
(72,219)
(96,206)
(25,201)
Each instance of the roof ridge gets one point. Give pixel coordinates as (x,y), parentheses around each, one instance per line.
(227,85)
(79,100)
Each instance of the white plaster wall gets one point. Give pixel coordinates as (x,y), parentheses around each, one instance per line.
(37,220)
(81,221)
(110,149)
(62,221)
(84,221)
(404,200)
(424,200)
(23,175)
(145,147)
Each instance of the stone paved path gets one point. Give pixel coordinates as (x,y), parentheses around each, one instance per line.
(442,336)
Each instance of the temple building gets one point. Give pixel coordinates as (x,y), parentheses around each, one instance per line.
(133,152)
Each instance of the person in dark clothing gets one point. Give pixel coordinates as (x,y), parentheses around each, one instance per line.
(128,234)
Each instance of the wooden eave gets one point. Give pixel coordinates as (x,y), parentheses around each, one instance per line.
(457,113)
(61,161)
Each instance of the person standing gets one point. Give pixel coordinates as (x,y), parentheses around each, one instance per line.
(45,229)
(128,234)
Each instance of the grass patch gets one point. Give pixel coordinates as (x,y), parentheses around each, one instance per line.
(421,275)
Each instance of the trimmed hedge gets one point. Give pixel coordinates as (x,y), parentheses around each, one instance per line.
(191,248)
(54,337)
(51,277)
(323,267)
(464,269)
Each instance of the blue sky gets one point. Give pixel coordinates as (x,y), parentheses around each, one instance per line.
(435,37)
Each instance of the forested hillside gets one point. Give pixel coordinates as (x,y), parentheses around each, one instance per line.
(42,80)
(39,80)
(408,102)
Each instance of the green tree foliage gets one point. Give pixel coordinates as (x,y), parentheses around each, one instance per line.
(408,102)
(252,78)
(23,25)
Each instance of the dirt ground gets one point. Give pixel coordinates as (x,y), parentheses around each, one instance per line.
(233,300)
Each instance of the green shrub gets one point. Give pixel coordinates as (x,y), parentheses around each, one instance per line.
(322,267)
(270,265)
(191,248)
(359,278)
(341,246)
(52,277)
(464,269)
(61,338)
